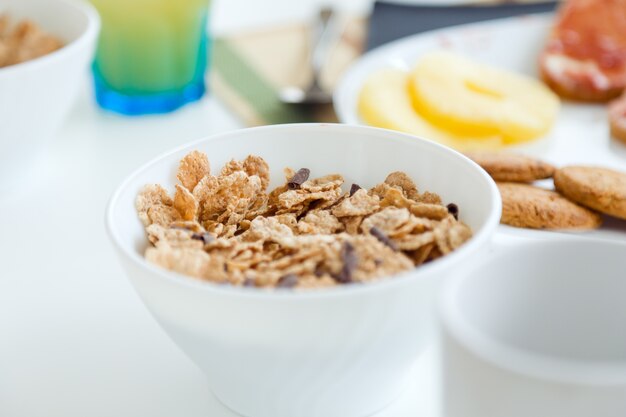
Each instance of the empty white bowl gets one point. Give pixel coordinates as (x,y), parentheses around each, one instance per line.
(538,330)
(338,352)
(36,95)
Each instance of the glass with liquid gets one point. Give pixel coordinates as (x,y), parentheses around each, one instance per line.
(152,54)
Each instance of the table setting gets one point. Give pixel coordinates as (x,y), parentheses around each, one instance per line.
(345,208)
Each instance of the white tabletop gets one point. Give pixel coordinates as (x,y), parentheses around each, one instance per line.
(75,340)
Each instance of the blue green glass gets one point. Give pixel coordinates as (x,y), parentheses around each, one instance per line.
(152,54)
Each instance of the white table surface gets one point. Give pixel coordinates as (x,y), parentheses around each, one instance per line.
(75,340)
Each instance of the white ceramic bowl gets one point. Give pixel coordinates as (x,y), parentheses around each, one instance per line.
(36,95)
(538,330)
(338,352)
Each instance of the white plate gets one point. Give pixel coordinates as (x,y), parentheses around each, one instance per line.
(581,134)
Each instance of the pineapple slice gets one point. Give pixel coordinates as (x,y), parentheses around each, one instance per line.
(384,101)
(470,98)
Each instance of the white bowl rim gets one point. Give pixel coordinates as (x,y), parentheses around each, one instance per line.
(525,362)
(90,32)
(476,241)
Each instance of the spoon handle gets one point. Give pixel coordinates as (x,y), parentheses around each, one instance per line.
(323,37)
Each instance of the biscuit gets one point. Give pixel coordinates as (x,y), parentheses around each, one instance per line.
(511,167)
(601,189)
(617,118)
(536,208)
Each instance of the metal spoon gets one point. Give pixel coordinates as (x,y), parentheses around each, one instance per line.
(324,34)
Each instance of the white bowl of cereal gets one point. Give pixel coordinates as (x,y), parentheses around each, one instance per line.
(45,50)
(300,312)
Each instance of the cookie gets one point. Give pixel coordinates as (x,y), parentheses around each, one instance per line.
(617,118)
(531,207)
(601,189)
(511,167)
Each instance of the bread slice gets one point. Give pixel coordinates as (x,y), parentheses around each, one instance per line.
(585,56)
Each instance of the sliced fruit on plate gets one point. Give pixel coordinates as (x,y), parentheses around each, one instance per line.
(384,101)
(585,56)
(471,98)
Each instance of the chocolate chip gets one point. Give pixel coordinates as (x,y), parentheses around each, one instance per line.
(354,188)
(301,176)
(454,210)
(350,262)
(383,238)
(204,237)
(288,281)
(249,282)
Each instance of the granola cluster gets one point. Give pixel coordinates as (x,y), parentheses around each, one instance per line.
(306,233)
(23,42)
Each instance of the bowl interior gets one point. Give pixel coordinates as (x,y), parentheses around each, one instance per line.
(362,155)
(560,301)
(60,18)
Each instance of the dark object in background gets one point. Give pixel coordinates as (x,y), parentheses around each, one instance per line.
(393,21)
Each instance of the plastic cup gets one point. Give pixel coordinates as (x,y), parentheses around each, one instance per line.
(152,54)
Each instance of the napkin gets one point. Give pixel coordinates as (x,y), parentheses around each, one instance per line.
(250,68)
